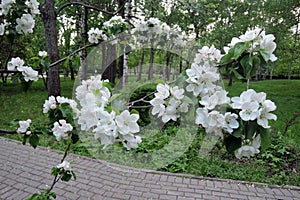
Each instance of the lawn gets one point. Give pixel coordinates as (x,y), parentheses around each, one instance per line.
(278,165)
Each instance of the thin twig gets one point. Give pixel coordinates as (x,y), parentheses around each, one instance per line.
(77,3)
(12,132)
(55,180)
(65,58)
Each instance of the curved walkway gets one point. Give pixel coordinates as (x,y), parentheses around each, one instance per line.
(24,170)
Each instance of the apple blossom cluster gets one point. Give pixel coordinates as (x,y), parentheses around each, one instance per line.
(254,106)
(28,73)
(60,129)
(109,127)
(43,53)
(23,24)
(202,82)
(54,102)
(95,35)
(23,127)
(153,27)
(259,40)
(168,102)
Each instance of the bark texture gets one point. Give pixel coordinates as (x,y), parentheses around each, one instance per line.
(49,19)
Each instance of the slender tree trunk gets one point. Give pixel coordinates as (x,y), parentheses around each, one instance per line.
(82,27)
(271,72)
(49,19)
(120,66)
(230,79)
(180,66)
(141,66)
(167,71)
(150,71)
(109,62)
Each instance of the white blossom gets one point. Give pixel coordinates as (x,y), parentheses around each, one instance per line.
(15,63)
(265,115)
(248,150)
(127,123)
(24,125)
(231,122)
(132,141)
(249,111)
(162,91)
(268,44)
(5,6)
(168,102)
(43,53)
(60,129)
(95,34)
(49,104)
(250,35)
(2,28)
(65,165)
(25,24)
(30,74)
(158,106)
(34,7)
(206,54)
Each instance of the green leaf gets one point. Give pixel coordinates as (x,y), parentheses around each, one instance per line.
(239,132)
(34,140)
(232,143)
(239,49)
(55,171)
(251,128)
(66,176)
(74,137)
(25,137)
(109,85)
(134,111)
(265,138)
(237,74)
(227,58)
(74,175)
(265,54)
(33,197)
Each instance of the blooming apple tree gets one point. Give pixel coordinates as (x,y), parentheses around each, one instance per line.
(242,122)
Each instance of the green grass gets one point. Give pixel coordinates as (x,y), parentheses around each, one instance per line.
(278,165)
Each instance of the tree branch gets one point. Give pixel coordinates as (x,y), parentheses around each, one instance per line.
(11,132)
(65,58)
(77,3)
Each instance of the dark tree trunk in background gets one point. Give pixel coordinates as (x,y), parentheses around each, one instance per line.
(120,66)
(150,71)
(230,79)
(82,28)
(49,19)
(141,66)
(167,71)
(109,62)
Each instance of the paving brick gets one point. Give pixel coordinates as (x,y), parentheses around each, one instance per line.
(150,195)
(22,176)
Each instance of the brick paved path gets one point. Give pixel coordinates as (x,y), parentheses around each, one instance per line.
(24,170)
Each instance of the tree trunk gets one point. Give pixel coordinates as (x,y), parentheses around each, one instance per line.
(49,19)
(180,66)
(150,71)
(230,79)
(82,28)
(120,66)
(167,71)
(109,62)
(141,66)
